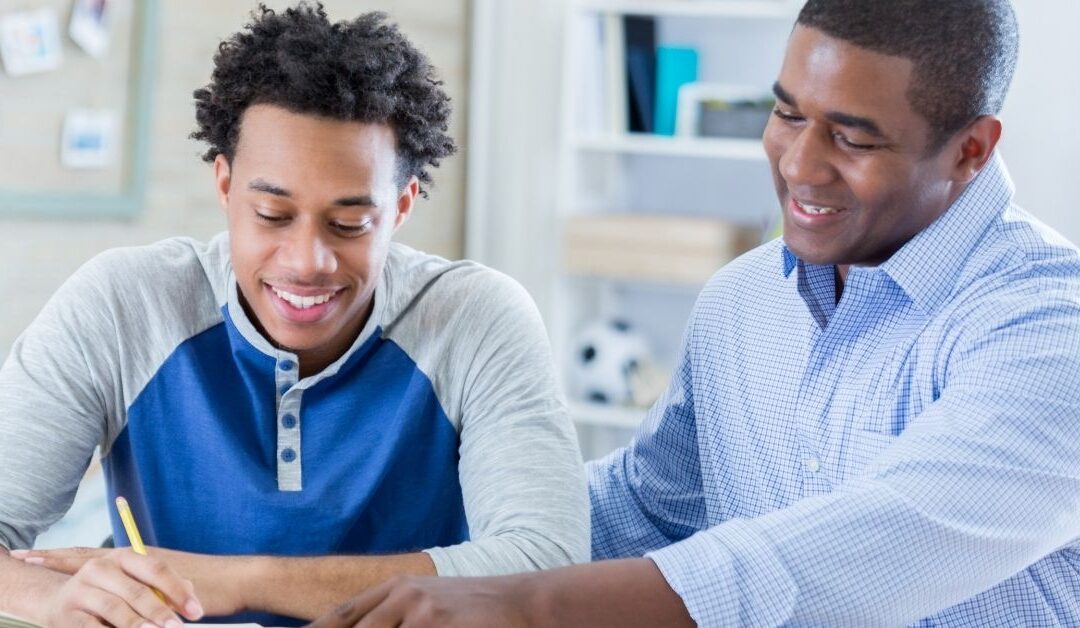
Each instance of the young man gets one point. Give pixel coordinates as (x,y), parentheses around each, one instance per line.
(874,420)
(302,387)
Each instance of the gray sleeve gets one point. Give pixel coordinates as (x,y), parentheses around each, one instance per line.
(52,410)
(520,468)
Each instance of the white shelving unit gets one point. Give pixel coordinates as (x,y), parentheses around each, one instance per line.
(739,42)
(663,146)
(724,9)
(605,415)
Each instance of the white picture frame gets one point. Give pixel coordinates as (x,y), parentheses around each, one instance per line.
(30,42)
(692,95)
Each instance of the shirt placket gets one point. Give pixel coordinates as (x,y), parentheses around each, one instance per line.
(289,468)
(813,401)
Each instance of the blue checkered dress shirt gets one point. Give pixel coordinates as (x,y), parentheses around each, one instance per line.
(910,453)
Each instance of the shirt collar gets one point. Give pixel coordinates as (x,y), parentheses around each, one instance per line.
(927,266)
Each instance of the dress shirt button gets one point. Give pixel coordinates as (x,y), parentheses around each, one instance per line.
(288,421)
(286,365)
(813,465)
(288,454)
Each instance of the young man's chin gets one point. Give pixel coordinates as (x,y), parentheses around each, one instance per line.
(299,342)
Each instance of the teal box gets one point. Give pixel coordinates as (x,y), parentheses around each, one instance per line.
(674,68)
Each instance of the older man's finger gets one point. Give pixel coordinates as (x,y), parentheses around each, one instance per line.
(351,612)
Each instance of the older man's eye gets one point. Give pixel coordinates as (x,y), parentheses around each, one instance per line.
(787,116)
(854,145)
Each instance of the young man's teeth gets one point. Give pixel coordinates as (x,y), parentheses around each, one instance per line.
(815,209)
(300,302)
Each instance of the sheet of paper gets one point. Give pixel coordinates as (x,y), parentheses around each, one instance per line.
(12,621)
(231,625)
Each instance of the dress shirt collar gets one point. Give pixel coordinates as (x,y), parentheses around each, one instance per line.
(926,268)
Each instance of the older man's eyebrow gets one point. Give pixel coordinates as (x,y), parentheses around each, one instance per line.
(783,95)
(262,185)
(855,122)
(836,117)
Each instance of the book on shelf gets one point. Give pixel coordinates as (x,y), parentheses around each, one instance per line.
(650,247)
(675,67)
(587,72)
(640,38)
(615,82)
(614,73)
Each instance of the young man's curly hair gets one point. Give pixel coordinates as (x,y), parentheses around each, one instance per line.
(362,70)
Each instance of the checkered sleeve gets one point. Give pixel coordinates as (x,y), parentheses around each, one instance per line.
(649,494)
(985,482)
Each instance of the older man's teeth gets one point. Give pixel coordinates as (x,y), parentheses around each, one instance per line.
(300,302)
(818,210)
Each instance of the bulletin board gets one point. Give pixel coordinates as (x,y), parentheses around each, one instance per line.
(75,101)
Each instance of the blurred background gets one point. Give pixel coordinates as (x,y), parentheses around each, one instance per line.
(609,157)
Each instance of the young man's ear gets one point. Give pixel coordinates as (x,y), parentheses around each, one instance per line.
(222,180)
(406,201)
(973,147)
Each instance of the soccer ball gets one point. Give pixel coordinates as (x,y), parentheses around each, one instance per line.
(606,356)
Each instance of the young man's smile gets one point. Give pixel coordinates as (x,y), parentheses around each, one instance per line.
(304,305)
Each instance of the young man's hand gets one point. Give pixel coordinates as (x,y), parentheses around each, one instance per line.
(434,601)
(116,586)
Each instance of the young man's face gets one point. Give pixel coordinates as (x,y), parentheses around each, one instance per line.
(312,204)
(849,155)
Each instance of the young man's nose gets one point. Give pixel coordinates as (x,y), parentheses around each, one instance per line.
(309,254)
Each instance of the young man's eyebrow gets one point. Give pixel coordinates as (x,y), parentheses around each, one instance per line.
(355,201)
(262,185)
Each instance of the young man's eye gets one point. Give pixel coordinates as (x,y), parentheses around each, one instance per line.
(352,229)
(270,218)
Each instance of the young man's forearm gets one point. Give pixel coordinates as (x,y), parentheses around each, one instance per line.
(309,587)
(26,590)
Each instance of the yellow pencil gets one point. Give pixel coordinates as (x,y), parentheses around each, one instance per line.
(133,533)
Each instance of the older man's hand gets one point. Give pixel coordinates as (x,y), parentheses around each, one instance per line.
(433,601)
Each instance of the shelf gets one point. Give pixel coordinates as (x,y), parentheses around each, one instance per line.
(660,145)
(761,9)
(625,417)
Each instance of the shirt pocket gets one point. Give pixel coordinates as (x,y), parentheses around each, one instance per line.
(862,449)
(896,399)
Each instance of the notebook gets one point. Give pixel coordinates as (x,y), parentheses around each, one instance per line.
(12,621)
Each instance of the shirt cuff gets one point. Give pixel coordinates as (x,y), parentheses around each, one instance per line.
(728,576)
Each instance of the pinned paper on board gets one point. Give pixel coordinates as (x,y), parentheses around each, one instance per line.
(30,42)
(89,26)
(89,139)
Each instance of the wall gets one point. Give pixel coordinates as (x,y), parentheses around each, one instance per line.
(36,256)
(1042,128)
